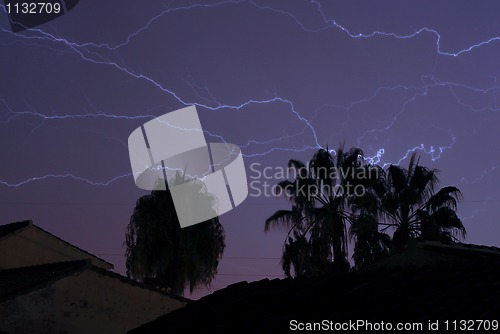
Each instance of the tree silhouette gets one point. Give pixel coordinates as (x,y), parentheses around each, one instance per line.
(175,257)
(370,244)
(317,222)
(324,203)
(413,209)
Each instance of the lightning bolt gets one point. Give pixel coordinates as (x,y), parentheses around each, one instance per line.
(90,52)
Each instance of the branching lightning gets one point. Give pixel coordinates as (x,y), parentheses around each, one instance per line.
(91,52)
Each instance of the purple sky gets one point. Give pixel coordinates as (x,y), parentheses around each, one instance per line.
(277,78)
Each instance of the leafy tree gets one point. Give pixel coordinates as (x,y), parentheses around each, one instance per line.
(158,248)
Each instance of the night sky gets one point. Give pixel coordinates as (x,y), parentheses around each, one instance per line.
(278,78)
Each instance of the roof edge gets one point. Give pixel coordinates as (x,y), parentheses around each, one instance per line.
(73,267)
(14,228)
(74,246)
(130,281)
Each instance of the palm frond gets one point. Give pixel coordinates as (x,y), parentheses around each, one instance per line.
(412,164)
(397,178)
(299,167)
(448,196)
(446,219)
(282,218)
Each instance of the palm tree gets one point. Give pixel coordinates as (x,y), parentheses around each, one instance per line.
(158,248)
(413,208)
(370,244)
(317,222)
